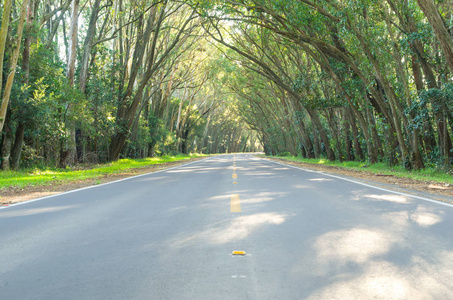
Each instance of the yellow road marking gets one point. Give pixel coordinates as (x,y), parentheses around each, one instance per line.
(235,182)
(238,253)
(235,203)
(235,175)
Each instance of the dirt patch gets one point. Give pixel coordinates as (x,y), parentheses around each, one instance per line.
(434,190)
(14,195)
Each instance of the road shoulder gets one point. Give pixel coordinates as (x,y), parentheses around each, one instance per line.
(14,195)
(426,189)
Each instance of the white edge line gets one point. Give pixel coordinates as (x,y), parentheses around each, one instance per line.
(98,185)
(364,184)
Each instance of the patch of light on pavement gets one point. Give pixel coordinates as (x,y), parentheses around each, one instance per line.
(424,218)
(353,245)
(320,179)
(262,197)
(389,197)
(373,275)
(242,227)
(224,232)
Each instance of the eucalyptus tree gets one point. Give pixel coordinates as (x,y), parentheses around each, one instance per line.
(354,43)
(268,63)
(440,27)
(165,25)
(6,92)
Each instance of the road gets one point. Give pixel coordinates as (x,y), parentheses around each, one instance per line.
(171,234)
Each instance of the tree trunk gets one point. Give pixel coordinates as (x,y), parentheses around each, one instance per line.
(20,130)
(316,143)
(330,117)
(6,145)
(17,148)
(88,44)
(347,136)
(13,61)
(325,139)
(67,150)
(3,37)
(416,158)
(307,143)
(73,41)
(435,19)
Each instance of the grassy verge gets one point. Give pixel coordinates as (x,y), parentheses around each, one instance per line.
(427,174)
(47,176)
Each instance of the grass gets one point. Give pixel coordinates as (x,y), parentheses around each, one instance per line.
(427,174)
(33,177)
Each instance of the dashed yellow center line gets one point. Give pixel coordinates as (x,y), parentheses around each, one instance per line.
(235,200)
(235,203)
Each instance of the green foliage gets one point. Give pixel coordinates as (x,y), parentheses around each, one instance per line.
(270,82)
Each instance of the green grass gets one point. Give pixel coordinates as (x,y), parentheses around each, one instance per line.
(23,178)
(427,174)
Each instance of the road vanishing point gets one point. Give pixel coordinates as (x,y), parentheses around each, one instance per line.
(228,227)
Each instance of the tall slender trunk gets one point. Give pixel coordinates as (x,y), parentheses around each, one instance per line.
(6,145)
(73,41)
(3,37)
(416,159)
(355,135)
(16,151)
(87,46)
(13,61)
(20,130)
(322,132)
(435,19)
(316,142)
(67,146)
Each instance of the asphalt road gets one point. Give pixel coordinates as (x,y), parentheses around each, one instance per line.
(170,235)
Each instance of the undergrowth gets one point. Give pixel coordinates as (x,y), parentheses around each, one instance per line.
(44,176)
(427,174)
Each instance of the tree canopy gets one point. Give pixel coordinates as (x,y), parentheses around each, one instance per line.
(96,80)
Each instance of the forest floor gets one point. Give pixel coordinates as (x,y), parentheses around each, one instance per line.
(433,190)
(13,195)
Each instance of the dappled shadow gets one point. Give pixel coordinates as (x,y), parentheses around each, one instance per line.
(376,275)
(384,280)
(227,231)
(200,169)
(355,245)
(34,211)
(261,197)
(247,197)
(398,259)
(151,178)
